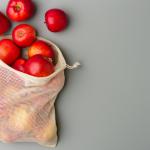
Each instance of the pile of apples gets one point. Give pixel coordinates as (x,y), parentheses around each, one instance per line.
(41,55)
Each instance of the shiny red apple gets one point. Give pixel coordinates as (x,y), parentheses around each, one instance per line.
(9,52)
(56,20)
(42,48)
(20,10)
(38,66)
(24,35)
(4,23)
(19,64)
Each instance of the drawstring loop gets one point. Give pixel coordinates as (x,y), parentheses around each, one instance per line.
(75,65)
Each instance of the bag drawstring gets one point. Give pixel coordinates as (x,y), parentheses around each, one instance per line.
(75,65)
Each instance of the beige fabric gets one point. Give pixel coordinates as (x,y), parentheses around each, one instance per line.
(27,110)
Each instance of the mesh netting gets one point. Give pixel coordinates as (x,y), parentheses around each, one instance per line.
(27,112)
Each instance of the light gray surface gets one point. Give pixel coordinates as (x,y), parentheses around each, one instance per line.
(105,104)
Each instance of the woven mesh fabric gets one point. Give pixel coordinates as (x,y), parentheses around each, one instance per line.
(28,113)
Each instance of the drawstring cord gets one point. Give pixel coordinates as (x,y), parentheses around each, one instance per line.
(75,65)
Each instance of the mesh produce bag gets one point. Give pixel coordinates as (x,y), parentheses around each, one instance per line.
(27,112)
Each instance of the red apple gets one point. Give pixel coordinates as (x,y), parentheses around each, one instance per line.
(4,23)
(56,20)
(20,10)
(24,35)
(19,64)
(42,48)
(38,66)
(9,52)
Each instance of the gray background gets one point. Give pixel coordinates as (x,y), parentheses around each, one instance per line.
(105,103)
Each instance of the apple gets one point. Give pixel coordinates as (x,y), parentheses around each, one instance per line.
(6,137)
(38,66)
(4,23)
(9,52)
(19,64)
(47,132)
(56,20)
(42,48)
(20,10)
(24,35)
(20,119)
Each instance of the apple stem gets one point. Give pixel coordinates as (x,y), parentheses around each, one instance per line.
(17,8)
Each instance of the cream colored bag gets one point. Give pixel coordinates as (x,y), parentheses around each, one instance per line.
(27,112)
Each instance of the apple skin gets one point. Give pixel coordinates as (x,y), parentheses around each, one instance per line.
(56,20)
(24,35)
(19,64)
(42,48)
(9,52)
(20,10)
(47,133)
(20,120)
(39,66)
(4,23)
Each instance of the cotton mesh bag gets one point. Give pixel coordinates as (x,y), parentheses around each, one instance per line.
(27,112)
